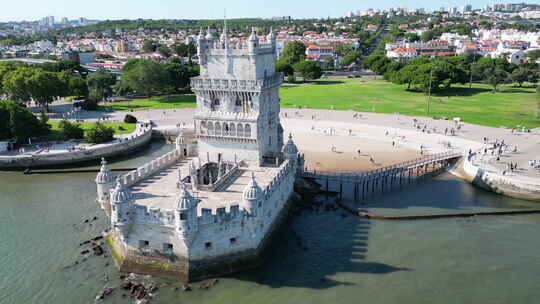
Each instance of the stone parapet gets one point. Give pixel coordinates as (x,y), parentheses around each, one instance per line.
(132,142)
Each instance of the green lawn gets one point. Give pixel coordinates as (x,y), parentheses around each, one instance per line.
(55,130)
(128,128)
(509,107)
(157,102)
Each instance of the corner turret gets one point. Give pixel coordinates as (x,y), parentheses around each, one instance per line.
(121,205)
(104,183)
(252,194)
(182,145)
(186,214)
(290,151)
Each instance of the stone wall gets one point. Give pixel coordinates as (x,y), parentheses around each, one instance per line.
(133,142)
(151,168)
(180,268)
(512,186)
(236,238)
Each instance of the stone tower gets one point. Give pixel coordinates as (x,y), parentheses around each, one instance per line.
(237,92)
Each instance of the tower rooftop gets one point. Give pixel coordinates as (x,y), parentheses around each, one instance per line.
(162,191)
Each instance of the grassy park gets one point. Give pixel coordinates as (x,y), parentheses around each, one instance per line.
(509,107)
(119,128)
(156,102)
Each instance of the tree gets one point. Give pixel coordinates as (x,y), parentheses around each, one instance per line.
(19,123)
(294,52)
(149,46)
(328,63)
(533,55)
(377,62)
(284,67)
(412,37)
(495,76)
(145,77)
(5,68)
(176,75)
(185,50)
(406,75)
(78,87)
(15,84)
(182,50)
(308,69)
(164,51)
(428,36)
(70,130)
(520,75)
(100,85)
(45,86)
(99,133)
(351,57)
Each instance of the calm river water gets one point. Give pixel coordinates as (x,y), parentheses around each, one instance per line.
(340,259)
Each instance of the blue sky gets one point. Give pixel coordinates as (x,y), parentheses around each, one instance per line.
(182,9)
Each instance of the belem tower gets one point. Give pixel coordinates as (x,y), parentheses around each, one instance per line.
(210,206)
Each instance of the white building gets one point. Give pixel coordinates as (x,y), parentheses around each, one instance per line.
(214,212)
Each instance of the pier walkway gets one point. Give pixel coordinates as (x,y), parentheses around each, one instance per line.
(366,184)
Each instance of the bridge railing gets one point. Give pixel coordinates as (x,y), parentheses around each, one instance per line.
(409,164)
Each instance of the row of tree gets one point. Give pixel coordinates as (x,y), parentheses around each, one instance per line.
(423,73)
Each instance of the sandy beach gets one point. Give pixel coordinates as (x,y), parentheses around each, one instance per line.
(317,149)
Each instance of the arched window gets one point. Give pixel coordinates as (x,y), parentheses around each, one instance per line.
(210,128)
(203,127)
(238,102)
(240,131)
(232,130)
(215,104)
(247,131)
(226,129)
(218,129)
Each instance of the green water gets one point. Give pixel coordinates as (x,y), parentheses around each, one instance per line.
(324,257)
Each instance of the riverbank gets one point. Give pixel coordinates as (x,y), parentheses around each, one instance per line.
(120,146)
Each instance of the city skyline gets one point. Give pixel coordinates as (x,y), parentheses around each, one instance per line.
(34,10)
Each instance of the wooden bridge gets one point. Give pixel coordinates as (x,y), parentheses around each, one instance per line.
(366,184)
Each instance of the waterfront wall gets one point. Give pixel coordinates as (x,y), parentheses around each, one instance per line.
(512,186)
(180,268)
(136,140)
(226,240)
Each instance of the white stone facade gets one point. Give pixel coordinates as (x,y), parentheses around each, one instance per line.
(238,99)
(222,199)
